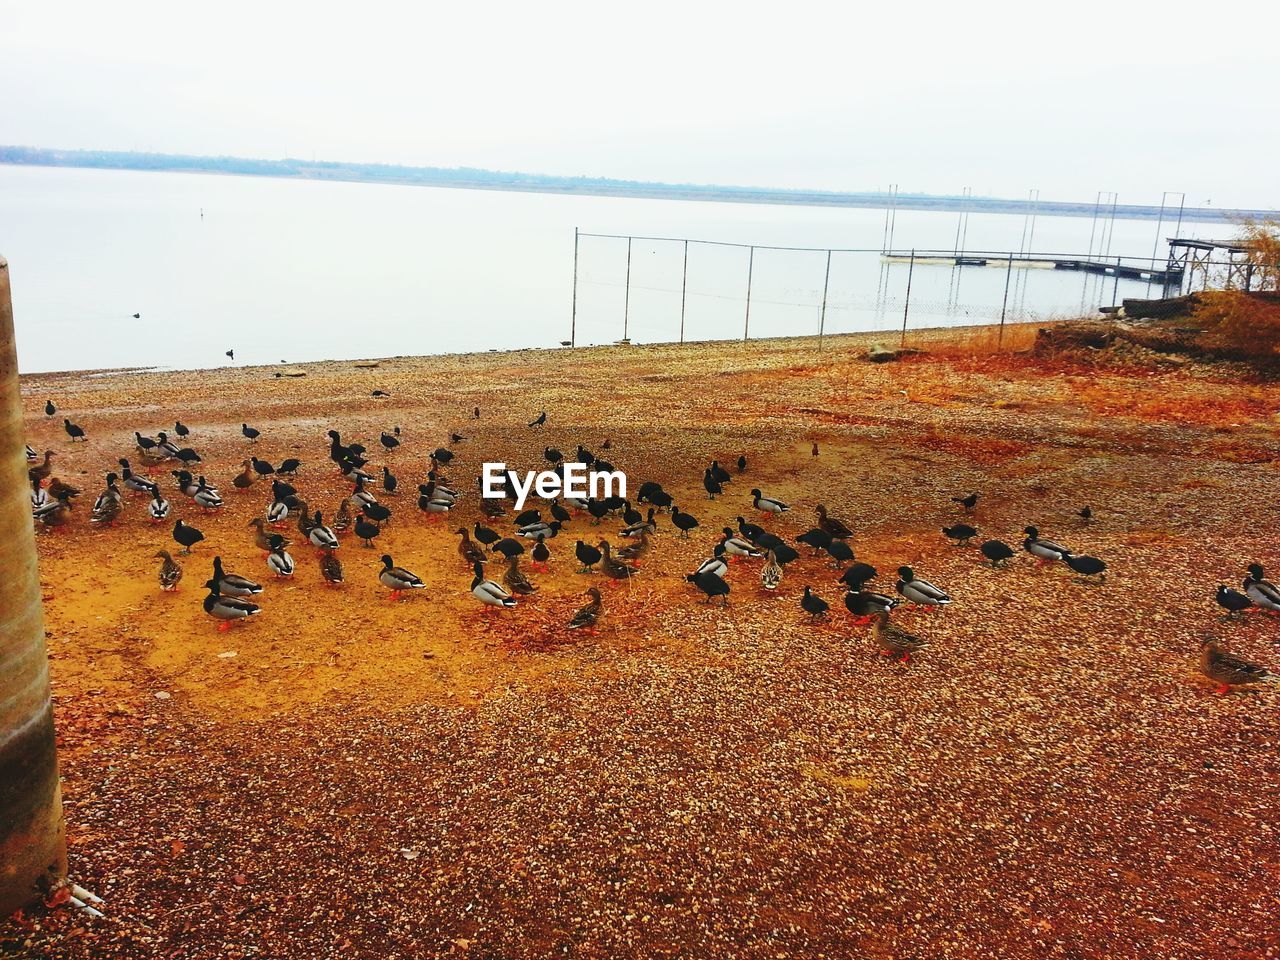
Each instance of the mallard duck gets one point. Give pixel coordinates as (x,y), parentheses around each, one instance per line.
(831,525)
(997,551)
(331,568)
(320,535)
(431,504)
(39,473)
(305,521)
(362,496)
(165,447)
(540,530)
(31,455)
(894,641)
(261,538)
(771,572)
(920,592)
(61,490)
(638,546)
(767,505)
(106,511)
(469,550)
(813,605)
(227,609)
(489,593)
(158,507)
(1042,550)
(960,534)
(614,568)
(206,496)
(132,481)
(397,579)
(541,556)
(55,514)
(1232,600)
(646,525)
(110,494)
(245,478)
(442,491)
(1263,593)
(866,604)
(513,578)
(492,507)
(735,546)
(277,512)
(170,572)
(712,585)
(278,560)
(713,564)
(587,617)
(232,584)
(39,498)
(1230,671)
(342,517)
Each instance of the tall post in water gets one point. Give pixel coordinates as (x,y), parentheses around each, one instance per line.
(32,844)
(684,287)
(626,300)
(573,317)
(822,316)
(1008,274)
(746,321)
(906,304)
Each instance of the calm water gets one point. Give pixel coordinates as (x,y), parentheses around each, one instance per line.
(296,271)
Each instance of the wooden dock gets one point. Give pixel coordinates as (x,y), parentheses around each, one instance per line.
(1165,274)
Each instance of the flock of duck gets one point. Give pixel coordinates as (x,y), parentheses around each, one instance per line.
(231,597)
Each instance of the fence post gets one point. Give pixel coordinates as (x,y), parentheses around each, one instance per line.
(1008,274)
(626,298)
(906,305)
(1115,290)
(684,287)
(822,317)
(573,317)
(746,321)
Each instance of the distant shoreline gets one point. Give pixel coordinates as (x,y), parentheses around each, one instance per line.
(477,179)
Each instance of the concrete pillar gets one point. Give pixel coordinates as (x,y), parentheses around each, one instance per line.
(32,844)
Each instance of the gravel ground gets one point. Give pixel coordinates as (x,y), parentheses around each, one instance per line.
(1051,777)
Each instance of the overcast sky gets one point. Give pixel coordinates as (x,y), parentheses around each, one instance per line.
(1072,99)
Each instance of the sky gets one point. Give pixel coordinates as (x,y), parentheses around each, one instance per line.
(936,97)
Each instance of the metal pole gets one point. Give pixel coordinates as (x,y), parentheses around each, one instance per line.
(822,317)
(626,297)
(573,318)
(1155,244)
(684,286)
(1115,290)
(746,321)
(33,856)
(911,265)
(1008,275)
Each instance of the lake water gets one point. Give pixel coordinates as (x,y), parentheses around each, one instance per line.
(300,270)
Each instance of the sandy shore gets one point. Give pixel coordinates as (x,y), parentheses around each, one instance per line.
(348,777)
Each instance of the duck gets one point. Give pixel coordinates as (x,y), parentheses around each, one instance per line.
(771,572)
(516,581)
(997,551)
(250,433)
(684,522)
(441,492)
(959,534)
(429,503)
(736,546)
(39,473)
(232,584)
(1087,566)
(331,568)
(278,560)
(261,538)
(244,479)
(968,502)
(158,507)
(361,495)
(638,546)
(920,592)
(587,617)
(206,496)
(587,555)
(164,447)
(74,431)
(305,521)
(614,568)
(132,481)
(830,525)
(630,515)
(1042,550)
(711,485)
(321,536)
(858,574)
(541,556)
(813,605)
(469,550)
(489,593)
(1232,600)
(55,514)
(713,564)
(712,585)
(366,530)
(106,511)
(170,572)
(397,579)
(227,609)
(540,530)
(867,604)
(508,547)
(185,482)
(277,512)
(342,516)
(39,498)
(1262,592)
(641,526)
(894,641)
(110,493)
(31,455)
(1228,670)
(767,505)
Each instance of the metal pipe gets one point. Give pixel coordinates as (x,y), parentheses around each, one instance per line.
(573,318)
(33,857)
(1008,275)
(684,287)
(822,316)
(626,300)
(906,305)
(746,321)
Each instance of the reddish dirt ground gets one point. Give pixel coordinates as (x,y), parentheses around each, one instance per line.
(348,777)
